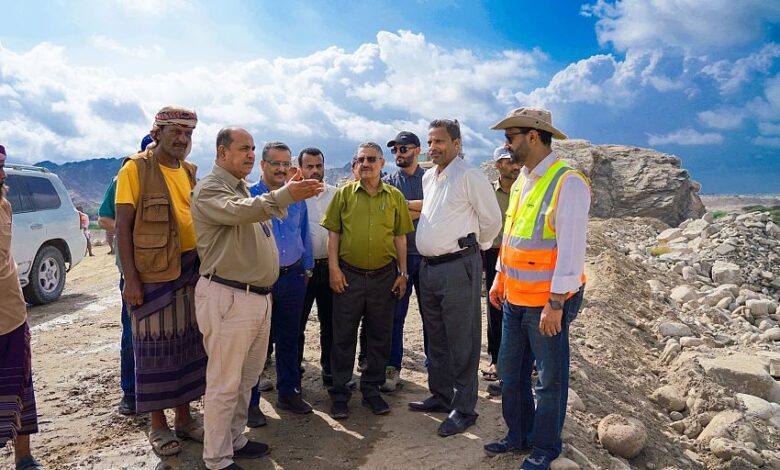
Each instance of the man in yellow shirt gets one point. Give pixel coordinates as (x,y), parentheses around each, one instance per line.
(156,243)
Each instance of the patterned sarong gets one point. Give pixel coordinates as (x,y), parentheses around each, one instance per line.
(170,362)
(17,399)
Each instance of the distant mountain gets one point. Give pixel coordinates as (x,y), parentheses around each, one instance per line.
(86,180)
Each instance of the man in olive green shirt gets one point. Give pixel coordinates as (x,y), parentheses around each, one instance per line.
(367,222)
(239,264)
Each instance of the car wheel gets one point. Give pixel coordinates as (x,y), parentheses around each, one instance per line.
(47,277)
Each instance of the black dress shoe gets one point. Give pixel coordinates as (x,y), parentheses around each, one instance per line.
(339,410)
(430,404)
(126,405)
(252,450)
(256,418)
(293,403)
(495,389)
(456,423)
(377,404)
(502,447)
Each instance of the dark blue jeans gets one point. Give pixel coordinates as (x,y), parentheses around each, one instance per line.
(126,357)
(401,307)
(287,307)
(522,342)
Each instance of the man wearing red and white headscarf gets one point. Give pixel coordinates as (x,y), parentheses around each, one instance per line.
(160,266)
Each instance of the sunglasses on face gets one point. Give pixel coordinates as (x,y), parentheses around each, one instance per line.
(277,164)
(369,159)
(402,149)
(509,137)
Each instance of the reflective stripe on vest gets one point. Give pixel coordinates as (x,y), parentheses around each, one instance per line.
(529,250)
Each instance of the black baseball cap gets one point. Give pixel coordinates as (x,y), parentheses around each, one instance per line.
(404,138)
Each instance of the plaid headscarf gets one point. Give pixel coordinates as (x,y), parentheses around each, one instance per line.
(172,116)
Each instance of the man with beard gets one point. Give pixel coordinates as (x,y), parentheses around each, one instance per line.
(18,416)
(293,242)
(539,283)
(459,217)
(408,180)
(160,266)
(367,223)
(311,161)
(508,169)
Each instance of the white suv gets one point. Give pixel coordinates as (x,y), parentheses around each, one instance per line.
(46,231)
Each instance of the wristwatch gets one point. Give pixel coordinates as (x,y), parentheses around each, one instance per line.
(405,275)
(555,305)
(309,273)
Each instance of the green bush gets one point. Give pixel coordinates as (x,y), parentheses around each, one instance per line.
(719,214)
(774,211)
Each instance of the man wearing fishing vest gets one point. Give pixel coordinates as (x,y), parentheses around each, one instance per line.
(539,282)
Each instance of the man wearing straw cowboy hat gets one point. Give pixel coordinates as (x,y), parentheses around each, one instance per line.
(539,283)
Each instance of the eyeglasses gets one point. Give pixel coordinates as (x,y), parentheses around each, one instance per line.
(369,159)
(402,149)
(277,164)
(509,139)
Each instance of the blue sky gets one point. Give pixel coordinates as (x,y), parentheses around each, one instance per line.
(695,78)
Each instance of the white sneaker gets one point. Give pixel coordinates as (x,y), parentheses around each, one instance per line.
(392,375)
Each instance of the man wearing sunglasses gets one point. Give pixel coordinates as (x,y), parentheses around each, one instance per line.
(367,221)
(408,179)
(296,261)
(460,217)
(539,283)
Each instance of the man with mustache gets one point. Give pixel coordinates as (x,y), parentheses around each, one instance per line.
(539,284)
(508,169)
(160,266)
(19,418)
(311,161)
(459,217)
(408,179)
(240,264)
(296,262)
(367,222)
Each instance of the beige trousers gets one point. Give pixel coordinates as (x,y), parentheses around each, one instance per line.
(235,325)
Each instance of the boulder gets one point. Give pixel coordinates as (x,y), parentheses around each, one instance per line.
(674,329)
(574,401)
(669,398)
(726,449)
(724,272)
(562,463)
(758,407)
(719,426)
(630,182)
(772,334)
(740,372)
(694,229)
(684,293)
(760,307)
(621,436)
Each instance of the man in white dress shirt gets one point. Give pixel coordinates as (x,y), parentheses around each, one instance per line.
(539,283)
(460,216)
(312,163)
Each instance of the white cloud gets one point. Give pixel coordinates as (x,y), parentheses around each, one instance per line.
(732,75)
(773,142)
(53,109)
(769,128)
(152,7)
(137,52)
(690,25)
(723,118)
(685,137)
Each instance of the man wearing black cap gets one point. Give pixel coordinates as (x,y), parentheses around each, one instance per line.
(408,179)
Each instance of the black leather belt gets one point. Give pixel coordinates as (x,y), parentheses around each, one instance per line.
(238,285)
(434,260)
(321,262)
(287,269)
(367,272)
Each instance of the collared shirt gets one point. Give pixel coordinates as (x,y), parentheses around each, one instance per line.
(503,203)
(230,241)
(367,224)
(458,201)
(411,187)
(571,224)
(315,207)
(291,233)
(13,309)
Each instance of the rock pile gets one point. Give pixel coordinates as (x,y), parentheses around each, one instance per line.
(717,333)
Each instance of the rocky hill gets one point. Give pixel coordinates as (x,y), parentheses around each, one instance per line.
(86,180)
(631,181)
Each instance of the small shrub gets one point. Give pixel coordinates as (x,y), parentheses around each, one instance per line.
(661,249)
(719,214)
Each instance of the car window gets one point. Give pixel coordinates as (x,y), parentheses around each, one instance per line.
(18,194)
(44,196)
